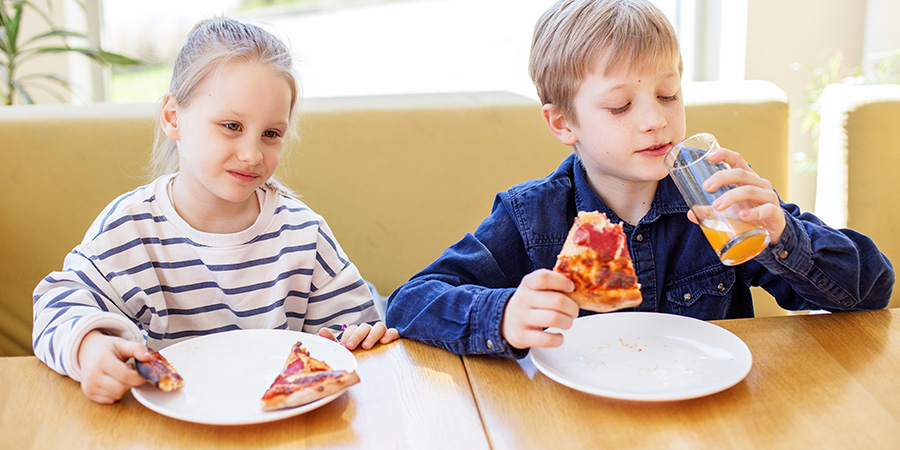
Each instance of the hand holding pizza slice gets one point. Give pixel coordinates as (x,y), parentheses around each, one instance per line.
(595,257)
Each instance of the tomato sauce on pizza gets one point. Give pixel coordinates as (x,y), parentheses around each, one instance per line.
(595,257)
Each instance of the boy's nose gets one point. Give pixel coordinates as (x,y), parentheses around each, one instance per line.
(654,118)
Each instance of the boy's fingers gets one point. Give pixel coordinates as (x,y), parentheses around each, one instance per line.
(548,280)
(539,338)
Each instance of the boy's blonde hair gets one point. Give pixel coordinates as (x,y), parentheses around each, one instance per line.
(572,36)
(209,46)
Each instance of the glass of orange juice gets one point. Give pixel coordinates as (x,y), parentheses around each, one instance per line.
(733,240)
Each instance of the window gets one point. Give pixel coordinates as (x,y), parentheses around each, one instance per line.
(348,47)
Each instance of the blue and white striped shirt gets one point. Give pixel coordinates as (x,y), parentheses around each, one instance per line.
(143,273)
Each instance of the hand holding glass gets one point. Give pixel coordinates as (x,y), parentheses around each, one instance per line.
(734,240)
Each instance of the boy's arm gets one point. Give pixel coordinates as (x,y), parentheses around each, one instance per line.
(457,302)
(818,267)
(67,306)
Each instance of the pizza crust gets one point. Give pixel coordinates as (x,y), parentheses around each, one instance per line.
(606,301)
(330,382)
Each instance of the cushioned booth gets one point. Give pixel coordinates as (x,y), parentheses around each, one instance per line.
(858,182)
(398,178)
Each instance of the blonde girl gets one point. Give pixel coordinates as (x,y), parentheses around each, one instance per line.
(213,243)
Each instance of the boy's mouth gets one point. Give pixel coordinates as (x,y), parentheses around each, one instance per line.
(656,150)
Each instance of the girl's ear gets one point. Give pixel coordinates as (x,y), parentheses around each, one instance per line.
(558,124)
(168,118)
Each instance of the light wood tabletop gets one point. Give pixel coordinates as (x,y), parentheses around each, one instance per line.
(411,396)
(817,381)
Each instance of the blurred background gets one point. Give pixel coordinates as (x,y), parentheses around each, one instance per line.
(376,47)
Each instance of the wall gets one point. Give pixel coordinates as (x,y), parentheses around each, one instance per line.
(782,34)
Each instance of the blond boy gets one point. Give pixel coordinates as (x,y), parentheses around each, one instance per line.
(608,73)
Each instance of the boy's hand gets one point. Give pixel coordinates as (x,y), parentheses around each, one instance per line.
(752,188)
(365,334)
(105,375)
(539,302)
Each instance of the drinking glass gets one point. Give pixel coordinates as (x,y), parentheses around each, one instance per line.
(734,240)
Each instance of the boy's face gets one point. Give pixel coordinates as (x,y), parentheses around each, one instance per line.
(626,122)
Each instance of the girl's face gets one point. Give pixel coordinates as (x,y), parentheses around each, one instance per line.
(230,135)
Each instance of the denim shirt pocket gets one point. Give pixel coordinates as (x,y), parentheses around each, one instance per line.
(704,294)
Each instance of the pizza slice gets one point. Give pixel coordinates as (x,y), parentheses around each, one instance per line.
(160,372)
(595,257)
(304,379)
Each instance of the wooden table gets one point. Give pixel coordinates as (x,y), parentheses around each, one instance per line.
(411,396)
(820,381)
(817,381)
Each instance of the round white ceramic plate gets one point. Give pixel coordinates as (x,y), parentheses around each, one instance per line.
(226,374)
(645,357)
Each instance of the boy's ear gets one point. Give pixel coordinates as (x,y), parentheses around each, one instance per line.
(168,118)
(558,124)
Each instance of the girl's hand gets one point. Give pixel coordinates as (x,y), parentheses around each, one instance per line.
(105,375)
(364,335)
(539,302)
(753,189)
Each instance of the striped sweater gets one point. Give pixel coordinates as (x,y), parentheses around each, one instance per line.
(144,274)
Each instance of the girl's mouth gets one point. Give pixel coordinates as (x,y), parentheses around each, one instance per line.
(243,176)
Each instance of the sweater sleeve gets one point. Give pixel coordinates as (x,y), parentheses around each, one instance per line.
(67,305)
(339,294)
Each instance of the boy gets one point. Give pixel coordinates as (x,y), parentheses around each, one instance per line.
(608,73)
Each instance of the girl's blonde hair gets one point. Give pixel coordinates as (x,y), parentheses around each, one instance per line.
(209,46)
(572,36)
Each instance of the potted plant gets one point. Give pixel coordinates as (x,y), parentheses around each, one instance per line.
(15,50)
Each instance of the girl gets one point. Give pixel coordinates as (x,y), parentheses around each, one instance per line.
(217,246)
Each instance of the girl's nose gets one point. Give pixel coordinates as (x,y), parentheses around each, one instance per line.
(250,153)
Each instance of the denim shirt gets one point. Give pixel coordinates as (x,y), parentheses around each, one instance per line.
(457,302)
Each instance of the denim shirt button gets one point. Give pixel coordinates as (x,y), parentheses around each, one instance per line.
(639,238)
(721,287)
(490,344)
(783,254)
(687,296)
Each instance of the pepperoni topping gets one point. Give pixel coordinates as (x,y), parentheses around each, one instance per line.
(605,243)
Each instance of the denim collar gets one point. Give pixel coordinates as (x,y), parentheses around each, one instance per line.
(666,201)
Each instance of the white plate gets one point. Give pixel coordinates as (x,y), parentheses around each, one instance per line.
(645,357)
(226,374)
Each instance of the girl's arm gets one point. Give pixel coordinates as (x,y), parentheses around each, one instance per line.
(68,305)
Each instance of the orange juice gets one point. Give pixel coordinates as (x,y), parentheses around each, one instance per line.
(736,243)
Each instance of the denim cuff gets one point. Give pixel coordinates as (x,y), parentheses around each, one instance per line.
(487,314)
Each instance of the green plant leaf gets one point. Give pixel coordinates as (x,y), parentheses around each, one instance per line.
(61,33)
(96,54)
(21,90)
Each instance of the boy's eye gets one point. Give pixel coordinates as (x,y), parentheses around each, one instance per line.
(232,126)
(620,109)
(272,134)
